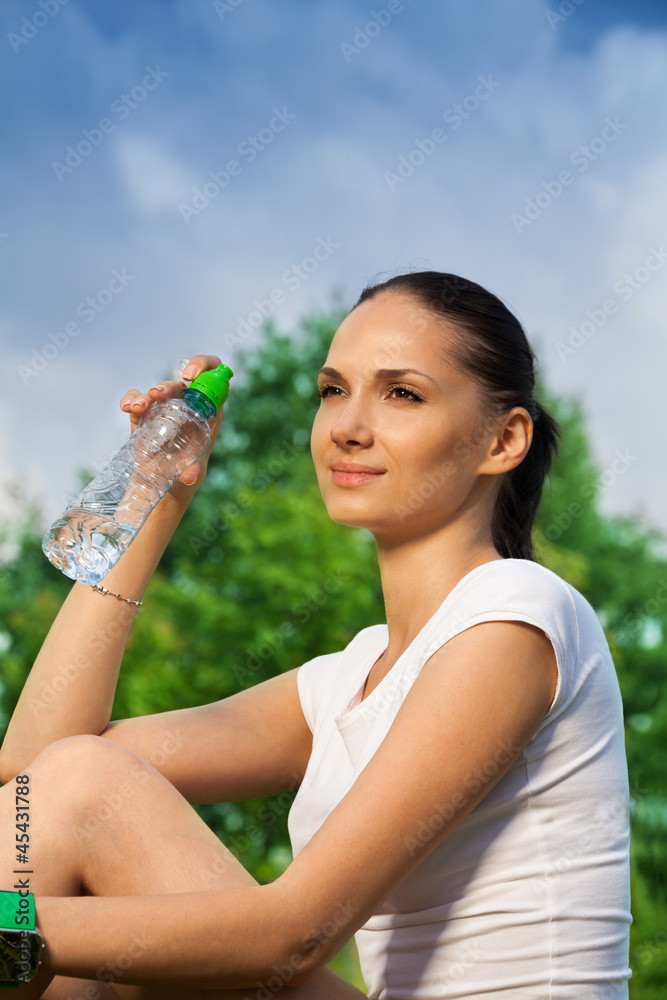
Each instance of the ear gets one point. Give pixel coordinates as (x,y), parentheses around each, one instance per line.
(510,444)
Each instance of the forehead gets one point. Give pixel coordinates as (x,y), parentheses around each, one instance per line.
(392,330)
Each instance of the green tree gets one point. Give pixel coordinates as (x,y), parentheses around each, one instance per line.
(257,580)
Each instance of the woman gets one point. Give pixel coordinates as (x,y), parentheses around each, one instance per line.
(463,806)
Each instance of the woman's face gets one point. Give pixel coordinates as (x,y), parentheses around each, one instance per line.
(398,441)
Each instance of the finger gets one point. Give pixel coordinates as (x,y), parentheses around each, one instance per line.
(138,403)
(164,390)
(129,404)
(190,476)
(200,363)
(128,399)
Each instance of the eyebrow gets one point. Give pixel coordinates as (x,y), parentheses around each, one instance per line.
(381,375)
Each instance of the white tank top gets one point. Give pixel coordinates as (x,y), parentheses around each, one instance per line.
(529,897)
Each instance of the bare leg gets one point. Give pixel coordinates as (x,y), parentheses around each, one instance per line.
(104,822)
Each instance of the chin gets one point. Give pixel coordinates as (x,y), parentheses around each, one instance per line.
(358,516)
(348,518)
(346,513)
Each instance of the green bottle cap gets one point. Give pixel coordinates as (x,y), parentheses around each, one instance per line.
(214,384)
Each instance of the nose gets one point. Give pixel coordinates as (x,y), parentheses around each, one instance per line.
(352,429)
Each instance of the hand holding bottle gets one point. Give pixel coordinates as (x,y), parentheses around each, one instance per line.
(137,404)
(172,433)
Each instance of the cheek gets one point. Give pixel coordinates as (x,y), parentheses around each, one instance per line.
(437,459)
(318,435)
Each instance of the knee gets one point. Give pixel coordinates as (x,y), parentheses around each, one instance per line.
(79,752)
(87,764)
(91,780)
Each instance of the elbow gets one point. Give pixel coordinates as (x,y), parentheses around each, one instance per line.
(293,964)
(292,952)
(13,762)
(307,953)
(293,970)
(305,960)
(8,771)
(301,944)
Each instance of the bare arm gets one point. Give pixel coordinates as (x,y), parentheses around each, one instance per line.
(79,661)
(226,751)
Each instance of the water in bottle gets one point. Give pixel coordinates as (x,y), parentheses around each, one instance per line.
(96,528)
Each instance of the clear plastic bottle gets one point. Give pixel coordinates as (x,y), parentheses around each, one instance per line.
(90,536)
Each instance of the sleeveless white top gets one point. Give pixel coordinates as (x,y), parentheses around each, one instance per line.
(529,897)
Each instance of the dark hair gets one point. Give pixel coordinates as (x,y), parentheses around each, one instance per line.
(492,348)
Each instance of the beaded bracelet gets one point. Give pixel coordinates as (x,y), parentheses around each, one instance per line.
(104,592)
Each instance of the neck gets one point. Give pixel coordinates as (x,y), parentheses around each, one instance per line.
(418,574)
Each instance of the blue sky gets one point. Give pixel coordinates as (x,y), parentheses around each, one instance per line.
(531,141)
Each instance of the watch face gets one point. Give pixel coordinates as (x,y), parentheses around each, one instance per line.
(20,953)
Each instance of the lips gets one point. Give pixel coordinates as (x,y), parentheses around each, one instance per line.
(349,467)
(349,474)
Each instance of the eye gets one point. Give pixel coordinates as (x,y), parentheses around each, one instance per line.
(328,390)
(403,392)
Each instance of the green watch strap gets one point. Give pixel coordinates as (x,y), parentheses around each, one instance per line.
(17,910)
(20,942)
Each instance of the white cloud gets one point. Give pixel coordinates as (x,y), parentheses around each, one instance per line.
(154,180)
(324,175)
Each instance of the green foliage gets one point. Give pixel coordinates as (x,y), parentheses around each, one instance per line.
(257,580)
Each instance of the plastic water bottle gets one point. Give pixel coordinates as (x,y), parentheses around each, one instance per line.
(90,536)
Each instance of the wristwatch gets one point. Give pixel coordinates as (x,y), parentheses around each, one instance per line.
(20,942)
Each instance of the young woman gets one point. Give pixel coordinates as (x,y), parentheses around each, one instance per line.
(464,802)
